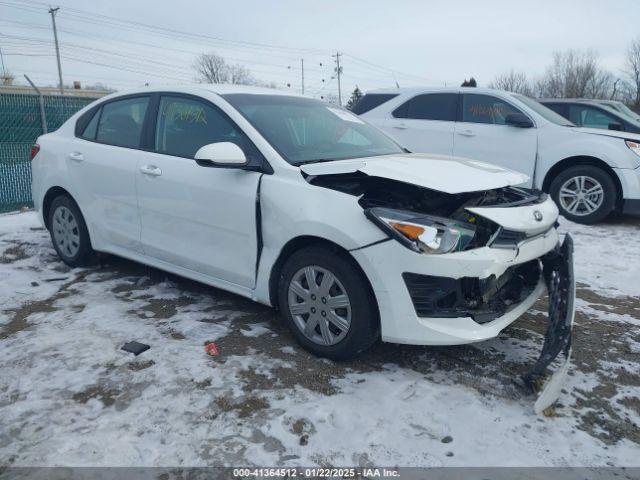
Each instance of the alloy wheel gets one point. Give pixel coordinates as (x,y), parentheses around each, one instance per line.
(581,195)
(319,305)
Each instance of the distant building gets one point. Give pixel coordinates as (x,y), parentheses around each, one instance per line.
(71,92)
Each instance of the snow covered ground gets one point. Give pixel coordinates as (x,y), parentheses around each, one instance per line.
(70,396)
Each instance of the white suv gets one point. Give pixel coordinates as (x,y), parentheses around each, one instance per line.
(588,172)
(303,206)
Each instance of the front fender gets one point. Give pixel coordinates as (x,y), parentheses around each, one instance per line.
(292,208)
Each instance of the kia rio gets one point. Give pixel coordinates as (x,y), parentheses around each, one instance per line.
(305,207)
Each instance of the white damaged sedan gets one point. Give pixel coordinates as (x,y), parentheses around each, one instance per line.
(301,205)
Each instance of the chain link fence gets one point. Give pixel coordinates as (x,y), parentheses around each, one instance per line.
(20,126)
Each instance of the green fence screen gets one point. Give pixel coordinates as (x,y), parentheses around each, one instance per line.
(20,126)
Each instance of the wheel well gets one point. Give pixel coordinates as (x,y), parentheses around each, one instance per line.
(52,193)
(305,241)
(583,160)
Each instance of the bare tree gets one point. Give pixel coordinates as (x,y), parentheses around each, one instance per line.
(239,75)
(575,74)
(633,72)
(212,68)
(7,78)
(512,81)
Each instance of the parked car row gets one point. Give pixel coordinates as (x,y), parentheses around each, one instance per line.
(588,172)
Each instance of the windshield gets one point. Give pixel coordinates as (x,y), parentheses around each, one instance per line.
(621,107)
(304,130)
(543,111)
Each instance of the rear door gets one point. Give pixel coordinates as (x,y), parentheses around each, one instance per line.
(425,123)
(102,165)
(197,217)
(481,134)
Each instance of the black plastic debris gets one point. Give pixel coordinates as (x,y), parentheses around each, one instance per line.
(135,347)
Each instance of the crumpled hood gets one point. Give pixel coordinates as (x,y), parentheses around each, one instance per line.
(607,133)
(436,172)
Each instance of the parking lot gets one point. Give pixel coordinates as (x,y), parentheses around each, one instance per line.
(70,396)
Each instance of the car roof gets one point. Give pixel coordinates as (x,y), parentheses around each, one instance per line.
(570,100)
(204,88)
(415,90)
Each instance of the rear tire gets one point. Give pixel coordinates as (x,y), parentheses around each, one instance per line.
(584,194)
(69,233)
(334,315)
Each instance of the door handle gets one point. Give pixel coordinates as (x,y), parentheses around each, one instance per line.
(76,156)
(400,126)
(467,133)
(150,170)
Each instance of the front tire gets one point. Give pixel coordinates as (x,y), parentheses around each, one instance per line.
(69,233)
(327,304)
(584,194)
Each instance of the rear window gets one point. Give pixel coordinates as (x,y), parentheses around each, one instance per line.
(371,101)
(430,106)
(121,122)
(91,128)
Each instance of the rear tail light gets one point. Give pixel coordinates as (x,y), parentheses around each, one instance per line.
(35,148)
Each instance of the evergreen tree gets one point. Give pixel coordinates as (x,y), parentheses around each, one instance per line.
(355,96)
(469,83)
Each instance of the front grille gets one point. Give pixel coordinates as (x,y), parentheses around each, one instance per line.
(483,300)
(507,239)
(511,239)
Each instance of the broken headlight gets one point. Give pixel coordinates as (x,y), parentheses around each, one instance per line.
(422,233)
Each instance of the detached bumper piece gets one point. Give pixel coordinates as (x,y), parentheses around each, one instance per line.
(558,274)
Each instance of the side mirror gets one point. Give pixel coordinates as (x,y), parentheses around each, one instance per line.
(615,126)
(221,154)
(519,120)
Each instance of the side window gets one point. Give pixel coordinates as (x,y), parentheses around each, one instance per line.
(559,108)
(184,125)
(485,109)
(430,106)
(371,101)
(586,116)
(89,132)
(121,122)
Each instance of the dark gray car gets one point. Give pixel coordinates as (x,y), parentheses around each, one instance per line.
(592,114)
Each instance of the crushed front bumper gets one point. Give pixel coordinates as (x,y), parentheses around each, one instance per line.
(401,322)
(561,285)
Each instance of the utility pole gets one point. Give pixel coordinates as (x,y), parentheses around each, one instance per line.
(338,73)
(4,72)
(53,12)
(302,68)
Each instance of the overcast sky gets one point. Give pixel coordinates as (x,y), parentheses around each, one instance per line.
(413,42)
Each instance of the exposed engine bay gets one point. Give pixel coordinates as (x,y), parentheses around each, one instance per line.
(375,192)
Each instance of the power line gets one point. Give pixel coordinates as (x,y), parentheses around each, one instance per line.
(101,19)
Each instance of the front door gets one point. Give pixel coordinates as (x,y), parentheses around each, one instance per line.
(196,217)
(481,134)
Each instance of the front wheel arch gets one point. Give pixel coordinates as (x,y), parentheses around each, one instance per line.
(304,241)
(583,160)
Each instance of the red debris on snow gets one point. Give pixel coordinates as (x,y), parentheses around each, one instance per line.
(211,349)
